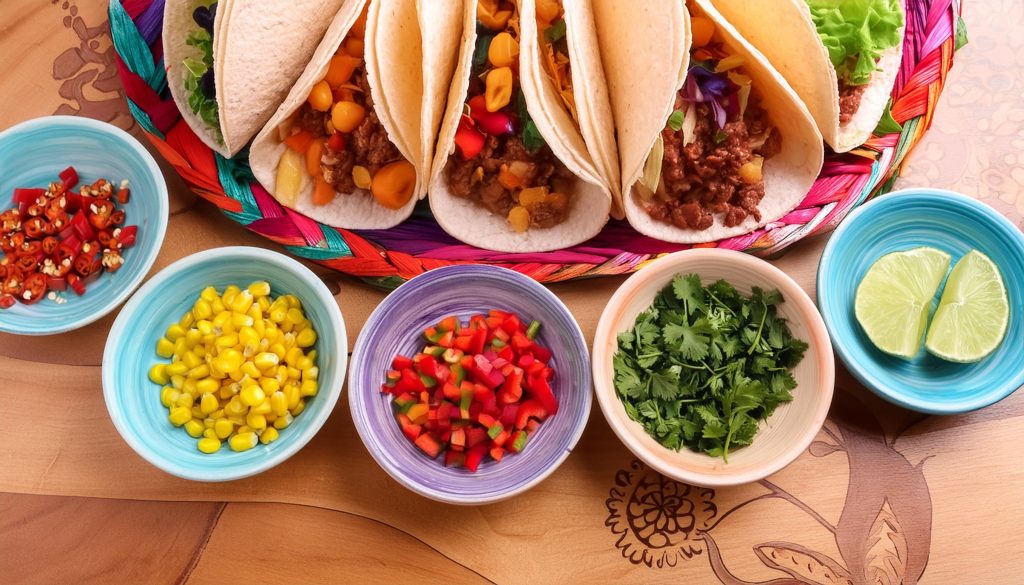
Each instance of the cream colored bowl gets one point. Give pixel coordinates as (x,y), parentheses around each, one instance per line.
(784,435)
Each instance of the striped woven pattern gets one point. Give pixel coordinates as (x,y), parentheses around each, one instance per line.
(389,257)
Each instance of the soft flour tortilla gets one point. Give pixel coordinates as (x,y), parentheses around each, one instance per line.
(259,50)
(590,146)
(643,90)
(784,31)
(477,226)
(395,68)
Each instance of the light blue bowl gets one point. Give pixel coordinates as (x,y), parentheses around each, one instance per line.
(31,155)
(955,224)
(133,401)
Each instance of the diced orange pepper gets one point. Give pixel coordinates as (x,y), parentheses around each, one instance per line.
(359,26)
(341,69)
(353,47)
(323,192)
(508,179)
(489,15)
(313,154)
(702,30)
(300,141)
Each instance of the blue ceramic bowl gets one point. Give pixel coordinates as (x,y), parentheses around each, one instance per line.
(907,219)
(31,155)
(396,327)
(133,401)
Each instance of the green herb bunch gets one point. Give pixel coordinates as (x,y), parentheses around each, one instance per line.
(704,364)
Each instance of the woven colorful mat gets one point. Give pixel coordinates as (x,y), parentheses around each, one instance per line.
(389,257)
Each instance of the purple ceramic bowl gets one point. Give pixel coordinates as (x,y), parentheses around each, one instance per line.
(396,327)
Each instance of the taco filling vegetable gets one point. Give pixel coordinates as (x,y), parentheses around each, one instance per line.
(708,159)
(503,163)
(551,27)
(337,138)
(199,83)
(856,33)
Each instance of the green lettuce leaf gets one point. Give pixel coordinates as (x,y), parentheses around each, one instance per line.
(856,33)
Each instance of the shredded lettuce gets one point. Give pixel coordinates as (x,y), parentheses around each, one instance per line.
(201,104)
(856,33)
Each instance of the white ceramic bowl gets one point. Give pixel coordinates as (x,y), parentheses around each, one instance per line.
(785,435)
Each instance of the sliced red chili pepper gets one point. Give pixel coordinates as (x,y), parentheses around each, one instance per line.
(34,227)
(126,235)
(124,193)
(117,218)
(83,264)
(29,196)
(7,301)
(50,245)
(31,248)
(56,283)
(6,245)
(101,189)
(112,260)
(35,210)
(82,226)
(26,263)
(13,283)
(35,289)
(103,237)
(17,239)
(10,220)
(100,213)
(69,177)
(55,208)
(76,284)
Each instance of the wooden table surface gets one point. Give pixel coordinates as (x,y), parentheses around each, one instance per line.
(883,496)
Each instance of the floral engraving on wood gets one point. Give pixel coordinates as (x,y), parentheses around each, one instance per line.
(883,534)
(87,72)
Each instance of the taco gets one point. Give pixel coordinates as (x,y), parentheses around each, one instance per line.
(841,56)
(344,150)
(713,143)
(503,177)
(224,83)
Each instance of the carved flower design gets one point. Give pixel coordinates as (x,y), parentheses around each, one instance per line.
(657,520)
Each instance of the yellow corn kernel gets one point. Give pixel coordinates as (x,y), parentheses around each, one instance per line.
(288,341)
(266,360)
(243,441)
(250,369)
(269,435)
(498,88)
(210,434)
(308,388)
(229,293)
(217,306)
(192,338)
(207,386)
(178,381)
(168,396)
(237,420)
(256,421)
(222,321)
(197,413)
(283,422)
(271,334)
(199,350)
(279,351)
(202,310)
(235,407)
(263,304)
(298,408)
(255,312)
(293,356)
(306,337)
(176,369)
(208,294)
(241,302)
(504,50)
(239,320)
(208,445)
(187,320)
(229,360)
(261,408)
(248,338)
(185,400)
(281,374)
(293,301)
(223,428)
(243,428)
(278,403)
(291,393)
(261,327)
(252,395)
(295,316)
(194,428)
(191,359)
(204,327)
(278,313)
(305,363)
(209,403)
(225,392)
(174,332)
(180,415)
(189,386)
(312,356)
(208,423)
(180,348)
(269,385)
(199,372)
(311,373)
(226,340)
(164,347)
(271,417)
(217,414)
(260,288)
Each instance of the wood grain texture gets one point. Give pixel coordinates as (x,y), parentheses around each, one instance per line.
(941,494)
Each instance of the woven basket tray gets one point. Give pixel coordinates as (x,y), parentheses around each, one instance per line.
(389,257)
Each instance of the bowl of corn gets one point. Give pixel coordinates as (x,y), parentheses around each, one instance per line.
(225,363)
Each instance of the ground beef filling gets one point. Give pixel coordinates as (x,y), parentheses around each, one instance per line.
(367,146)
(849,100)
(482,186)
(703,177)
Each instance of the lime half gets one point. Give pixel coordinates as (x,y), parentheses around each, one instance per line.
(894,298)
(973,314)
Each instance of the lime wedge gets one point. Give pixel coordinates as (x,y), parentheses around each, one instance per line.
(894,298)
(973,313)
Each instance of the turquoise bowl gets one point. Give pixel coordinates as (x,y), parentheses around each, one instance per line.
(907,219)
(31,155)
(133,401)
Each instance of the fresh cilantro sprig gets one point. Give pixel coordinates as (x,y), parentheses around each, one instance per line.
(704,364)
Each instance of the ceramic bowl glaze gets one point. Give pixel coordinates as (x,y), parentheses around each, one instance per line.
(133,401)
(31,155)
(785,435)
(955,224)
(396,327)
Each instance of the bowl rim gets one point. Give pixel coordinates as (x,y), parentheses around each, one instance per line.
(160,224)
(376,319)
(305,433)
(674,263)
(879,386)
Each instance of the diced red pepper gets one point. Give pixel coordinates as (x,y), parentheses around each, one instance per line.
(401,363)
(336,141)
(454,459)
(468,139)
(497,453)
(450,323)
(530,408)
(538,386)
(541,353)
(429,444)
(428,366)
(475,456)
